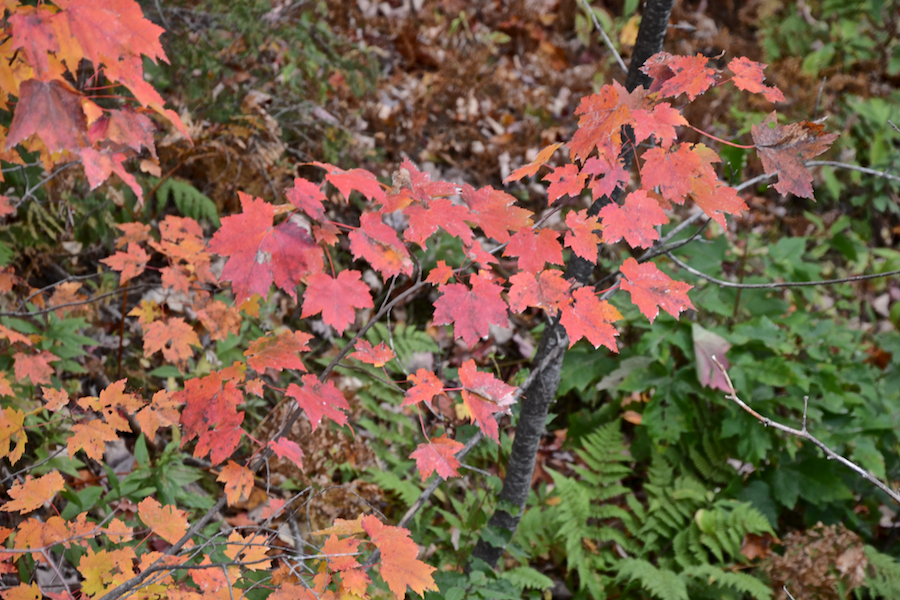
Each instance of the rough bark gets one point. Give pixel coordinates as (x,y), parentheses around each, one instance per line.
(538,397)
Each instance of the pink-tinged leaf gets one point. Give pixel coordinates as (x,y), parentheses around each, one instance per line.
(651,289)
(706,346)
(636,220)
(33,31)
(278,351)
(591,318)
(100,164)
(289,449)
(14,337)
(748,76)
(533,249)
(378,356)
(547,290)
(715,198)
(440,274)
(308,197)
(438,455)
(659,122)
(319,399)
(484,395)
(410,185)
(130,264)
(581,237)
(359,180)
(379,245)
(495,212)
(34,366)
(531,168)
(607,175)
(336,298)
(478,255)
(675,75)
(426,386)
(601,117)
(564,181)
(52,110)
(471,312)
(441,213)
(672,171)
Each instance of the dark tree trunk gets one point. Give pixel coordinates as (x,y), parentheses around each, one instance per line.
(537,398)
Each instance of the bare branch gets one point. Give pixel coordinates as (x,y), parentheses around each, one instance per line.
(605,37)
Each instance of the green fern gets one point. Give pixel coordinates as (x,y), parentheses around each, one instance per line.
(526,578)
(708,576)
(189,201)
(660,583)
(883,574)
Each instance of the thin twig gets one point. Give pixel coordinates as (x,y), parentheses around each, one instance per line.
(804,433)
(850,167)
(96,298)
(606,39)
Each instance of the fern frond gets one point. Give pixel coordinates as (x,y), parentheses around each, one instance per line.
(662,584)
(526,578)
(882,575)
(707,576)
(189,201)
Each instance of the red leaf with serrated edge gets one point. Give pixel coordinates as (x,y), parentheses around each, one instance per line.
(278,351)
(484,395)
(438,455)
(426,386)
(671,171)
(531,168)
(52,110)
(399,566)
(260,254)
(602,116)
(100,164)
(173,337)
(494,212)
(378,356)
(581,237)
(33,493)
(589,317)
(124,129)
(412,185)
(565,181)
(716,198)
(635,220)
(424,220)
(359,180)
(34,366)
(340,553)
(289,449)
(129,71)
(336,298)
(659,122)
(651,289)
(440,274)
(238,482)
(220,442)
(471,312)
(608,174)
(210,412)
(130,264)
(533,249)
(478,255)
(783,148)
(33,31)
(319,399)
(308,197)
(674,75)
(548,290)
(124,31)
(14,337)
(379,245)
(748,76)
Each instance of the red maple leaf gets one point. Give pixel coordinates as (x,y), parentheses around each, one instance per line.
(783,148)
(378,356)
(547,290)
(565,181)
(426,386)
(34,366)
(121,129)
(14,337)
(100,164)
(671,171)
(484,395)
(289,449)
(425,219)
(494,212)
(52,110)
(589,317)
(602,116)
(635,220)
(533,249)
(674,75)
(716,198)
(319,399)
(33,31)
(259,253)
(211,413)
(471,312)
(308,197)
(581,237)
(130,264)
(278,351)
(379,245)
(399,566)
(412,185)
(608,174)
(531,168)
(173,337)
(659,122)
(438,455)
(359,180)
(748,76)
(336,298)
(440,274)
(651,289)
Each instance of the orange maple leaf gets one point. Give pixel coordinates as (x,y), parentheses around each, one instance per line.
(33,493)
(167,522)
(173,337)
(400,566)
(238,482)
(90,436)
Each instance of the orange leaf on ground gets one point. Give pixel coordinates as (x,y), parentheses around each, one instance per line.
(32,493)
(12,429)
(130,264)
(90,436)
(161,412)
(340,553)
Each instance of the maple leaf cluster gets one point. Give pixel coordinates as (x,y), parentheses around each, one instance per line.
(44,48)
